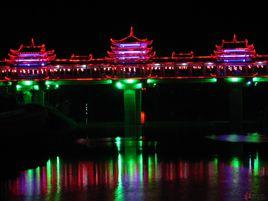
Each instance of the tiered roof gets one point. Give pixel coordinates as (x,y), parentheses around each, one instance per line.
(131,49)
(234,51)
(30,56)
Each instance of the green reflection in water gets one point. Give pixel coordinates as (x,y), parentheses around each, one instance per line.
(156,164)
(29,180)
(58,173)
(118,144)
(140,145)
(216,162)
(233,138)
(38,175)
(150,168)
(49,175)
(119,193)
(141,167)
(256,165)
(254,137)
(235,163)
(131,168)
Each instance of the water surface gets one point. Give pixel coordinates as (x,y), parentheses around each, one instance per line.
(133,175)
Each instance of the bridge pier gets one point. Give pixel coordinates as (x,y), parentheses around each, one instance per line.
(37,97)
(132,112)
(27,97)
(236,107)
(132,106)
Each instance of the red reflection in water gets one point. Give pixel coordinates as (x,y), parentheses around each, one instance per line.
(58,176)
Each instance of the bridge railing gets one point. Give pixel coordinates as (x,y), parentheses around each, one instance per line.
(146,70)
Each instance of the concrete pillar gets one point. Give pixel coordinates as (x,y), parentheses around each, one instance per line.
(236,107)
(27,97)
(39,97)
(132,110)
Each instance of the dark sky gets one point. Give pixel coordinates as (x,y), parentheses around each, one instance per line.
(85,27)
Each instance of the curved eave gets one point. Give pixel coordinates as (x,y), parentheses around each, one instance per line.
(125,40)
(113,47)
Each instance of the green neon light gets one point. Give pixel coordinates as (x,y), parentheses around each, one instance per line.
(52,84)
(138,86)
(18,87)
(130,81)
(48,82)
(128,84)
(234,79)
(36,87)
(118,143)
(260,79)
(151,81)
(27,83)
(119,85)
(108,82)
(213,80)
(208,80)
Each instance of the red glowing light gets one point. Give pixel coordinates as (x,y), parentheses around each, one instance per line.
(143,117)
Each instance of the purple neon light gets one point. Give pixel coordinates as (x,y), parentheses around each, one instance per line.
(131,52)
(132,57)
(132,45)
(29,60)
(235,50)
(232,60)
(235,55)
(31,54)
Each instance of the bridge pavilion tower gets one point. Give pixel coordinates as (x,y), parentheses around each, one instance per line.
(131,51)
(30,57)
(235,56)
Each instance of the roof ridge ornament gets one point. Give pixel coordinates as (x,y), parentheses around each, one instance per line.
(131,33)
(234,38)
(32,42)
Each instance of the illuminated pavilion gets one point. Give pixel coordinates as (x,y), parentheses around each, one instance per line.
(234,52)
(30,56)
(131,49)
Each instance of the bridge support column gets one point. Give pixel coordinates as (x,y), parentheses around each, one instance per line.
(132,106)
(236,107)
(132,112)
(39,97)
(27,97)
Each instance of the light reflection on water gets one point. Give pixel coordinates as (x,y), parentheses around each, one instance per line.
(132,175)
(248,138)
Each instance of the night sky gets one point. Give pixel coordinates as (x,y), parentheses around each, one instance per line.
(85,27)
